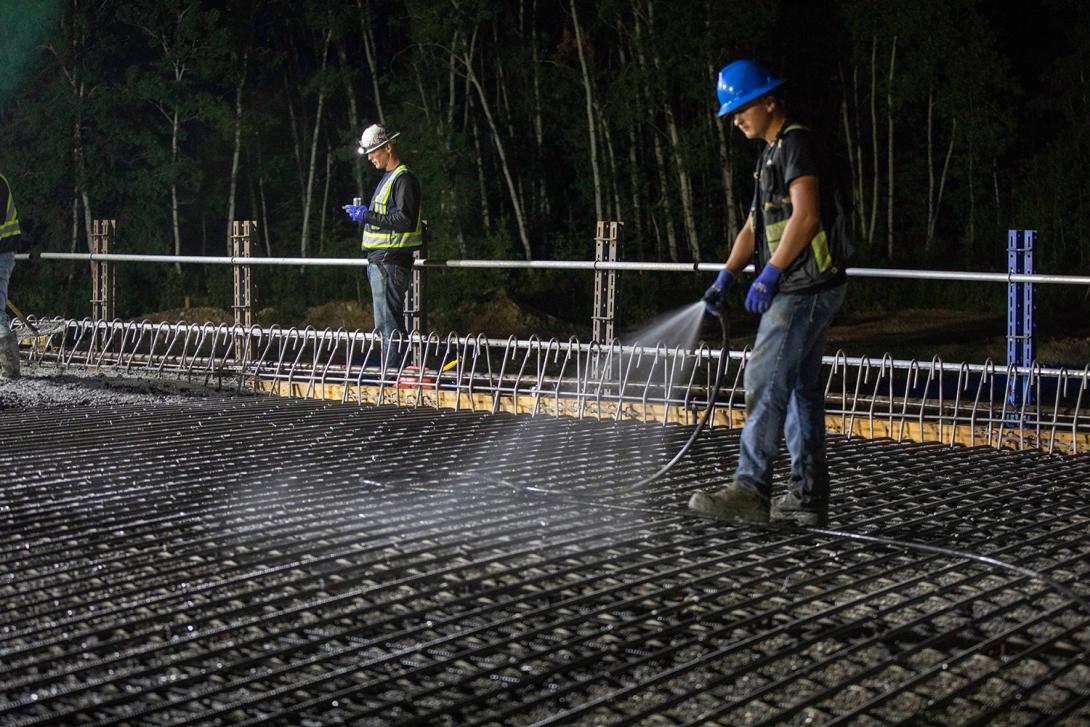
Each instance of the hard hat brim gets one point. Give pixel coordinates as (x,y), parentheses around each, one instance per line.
(735,104)
(369,149)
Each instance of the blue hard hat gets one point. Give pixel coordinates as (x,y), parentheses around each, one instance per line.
(742,81)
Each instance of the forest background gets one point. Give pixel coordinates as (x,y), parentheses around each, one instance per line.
(527,121)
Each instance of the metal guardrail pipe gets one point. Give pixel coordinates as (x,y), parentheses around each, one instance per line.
(589,265)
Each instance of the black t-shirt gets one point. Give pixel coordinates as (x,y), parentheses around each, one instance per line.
(791,156)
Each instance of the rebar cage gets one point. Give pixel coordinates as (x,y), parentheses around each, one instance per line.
(906,400)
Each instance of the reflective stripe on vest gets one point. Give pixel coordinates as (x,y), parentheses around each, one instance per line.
(374,237)
(11,216)
(819,243)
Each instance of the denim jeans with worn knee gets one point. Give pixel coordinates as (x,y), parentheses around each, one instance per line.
(785,396)
(7,264)
(388,285)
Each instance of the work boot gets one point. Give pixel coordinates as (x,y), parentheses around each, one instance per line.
(804,512)
(9,356)
(731,503)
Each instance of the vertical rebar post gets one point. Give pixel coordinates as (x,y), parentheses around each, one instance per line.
(103,279)
(607,248)
(241,231)
(416,304)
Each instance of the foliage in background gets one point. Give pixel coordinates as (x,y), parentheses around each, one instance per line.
(527,121)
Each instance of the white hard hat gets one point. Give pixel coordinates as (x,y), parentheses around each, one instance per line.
(374,136)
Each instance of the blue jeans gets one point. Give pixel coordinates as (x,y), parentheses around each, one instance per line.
(785,395)
(7,264)
(388,285)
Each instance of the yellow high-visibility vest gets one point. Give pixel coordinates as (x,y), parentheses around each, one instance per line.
(374,237)
(10,225)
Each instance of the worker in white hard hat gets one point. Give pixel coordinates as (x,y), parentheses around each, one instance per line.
(391,231)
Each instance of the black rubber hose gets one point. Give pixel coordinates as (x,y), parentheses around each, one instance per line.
(724,356)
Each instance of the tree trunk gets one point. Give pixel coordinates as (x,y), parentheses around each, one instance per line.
(516,203)
(860,206)
(423,94)
(684,182)
(726,168)
(660,158)
(889,152)
(874,137)
(542,202)
(634,182)
(353,115)
(668,220)
(636,214)
(369,51)
(589,104)
(81,173)
(486,212)
(174,190)
(685,185)
(237,153)
(75,221)
(503,99)
(325,198)
(930,169)
(972,191)
(264,216)
(296,138)
(849,142)
(307,200)
(448,134)
(934,198)
(603,127)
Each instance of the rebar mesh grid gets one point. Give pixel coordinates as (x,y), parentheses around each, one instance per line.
(257,561)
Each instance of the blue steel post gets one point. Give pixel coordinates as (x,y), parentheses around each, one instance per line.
(1014,313)
(1029,342)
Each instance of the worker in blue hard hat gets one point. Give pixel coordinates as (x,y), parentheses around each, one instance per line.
(392,230)
(11,240)
(799,286)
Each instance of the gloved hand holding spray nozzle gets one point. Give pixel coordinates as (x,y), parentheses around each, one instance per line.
(356,210)
(713,296)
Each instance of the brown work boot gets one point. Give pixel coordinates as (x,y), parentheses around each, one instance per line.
(9,356)
(731,503)
(793,508)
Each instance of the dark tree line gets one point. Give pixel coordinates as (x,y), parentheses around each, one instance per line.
(529,119)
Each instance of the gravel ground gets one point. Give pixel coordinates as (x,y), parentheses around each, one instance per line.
(45,387)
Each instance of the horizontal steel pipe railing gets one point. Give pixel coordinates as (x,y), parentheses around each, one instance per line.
(590,265)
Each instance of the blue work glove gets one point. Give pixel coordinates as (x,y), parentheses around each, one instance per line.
(764,287)
(713,296)
(356,211)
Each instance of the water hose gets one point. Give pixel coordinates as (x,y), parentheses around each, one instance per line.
(724,356)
